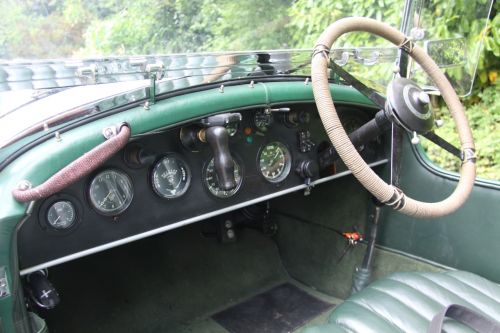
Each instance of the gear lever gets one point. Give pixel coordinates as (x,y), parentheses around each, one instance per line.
(217,137)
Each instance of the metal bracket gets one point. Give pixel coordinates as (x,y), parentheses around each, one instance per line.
(407,45)
(87,72)
(398,199)
(155,72)
(4,284)
(468,155)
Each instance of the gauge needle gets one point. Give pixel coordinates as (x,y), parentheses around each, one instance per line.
(275,157)
(55,222)
(104,200)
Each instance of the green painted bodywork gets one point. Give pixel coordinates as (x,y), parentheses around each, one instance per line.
(41,162)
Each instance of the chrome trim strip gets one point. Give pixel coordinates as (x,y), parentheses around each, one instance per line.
(183,223)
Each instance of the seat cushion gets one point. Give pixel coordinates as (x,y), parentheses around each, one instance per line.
(407,302)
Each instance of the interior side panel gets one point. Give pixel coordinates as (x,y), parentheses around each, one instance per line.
(466,239)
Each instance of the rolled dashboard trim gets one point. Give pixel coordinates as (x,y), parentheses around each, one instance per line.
(182,223)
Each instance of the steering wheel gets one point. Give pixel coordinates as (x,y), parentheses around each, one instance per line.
(385,193)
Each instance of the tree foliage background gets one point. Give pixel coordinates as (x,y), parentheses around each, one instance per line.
(89,28)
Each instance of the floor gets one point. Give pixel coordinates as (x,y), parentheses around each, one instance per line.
(172,282)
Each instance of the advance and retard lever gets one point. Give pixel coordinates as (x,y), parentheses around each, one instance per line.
(218,138)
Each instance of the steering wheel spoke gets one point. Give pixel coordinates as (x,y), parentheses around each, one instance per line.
(442,143)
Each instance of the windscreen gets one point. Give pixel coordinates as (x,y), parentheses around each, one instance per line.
(452,34)
(48,47)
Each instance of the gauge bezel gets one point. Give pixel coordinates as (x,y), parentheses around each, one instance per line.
(238,187)
(91,201)
(44,210)
(188,175)
(288,163)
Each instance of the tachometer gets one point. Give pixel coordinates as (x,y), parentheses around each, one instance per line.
(170,177)
(275,162)
(111,192)
(61,215)
(212,182)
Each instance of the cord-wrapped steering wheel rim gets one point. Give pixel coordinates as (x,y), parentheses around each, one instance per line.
(384,192)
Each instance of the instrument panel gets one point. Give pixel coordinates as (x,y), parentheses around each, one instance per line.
(158,182)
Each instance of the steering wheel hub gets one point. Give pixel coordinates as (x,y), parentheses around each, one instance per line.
(408,105)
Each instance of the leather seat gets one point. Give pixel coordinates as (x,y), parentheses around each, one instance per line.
(407,302)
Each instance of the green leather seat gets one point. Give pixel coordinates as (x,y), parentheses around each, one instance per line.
(407,302)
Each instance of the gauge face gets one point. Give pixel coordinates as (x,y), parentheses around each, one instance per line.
(232,128)
(275,162)
(170,177)
(212,182)
(263,120)
(111,192)
(61,215)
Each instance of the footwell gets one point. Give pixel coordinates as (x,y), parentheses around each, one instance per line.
(279,310)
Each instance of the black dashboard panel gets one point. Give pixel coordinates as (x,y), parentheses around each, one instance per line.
(149,213)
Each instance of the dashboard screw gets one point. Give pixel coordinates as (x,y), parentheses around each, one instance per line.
(24,185)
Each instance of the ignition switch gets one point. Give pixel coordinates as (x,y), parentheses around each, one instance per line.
(309,170)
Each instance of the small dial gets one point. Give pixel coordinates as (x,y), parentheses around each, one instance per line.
(275,162)
(111,192)
(170,177)
(232,129)
(212,182)
(263,120)
(61,215)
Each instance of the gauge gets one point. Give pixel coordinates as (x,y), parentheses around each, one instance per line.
(263,120)
(212,182)
(170,177)
(111,192)
(232,128)
(275,162)
(61,215)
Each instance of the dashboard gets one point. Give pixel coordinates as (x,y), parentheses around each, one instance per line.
(170,178)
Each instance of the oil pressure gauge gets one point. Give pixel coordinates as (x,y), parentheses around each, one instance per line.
(170,177)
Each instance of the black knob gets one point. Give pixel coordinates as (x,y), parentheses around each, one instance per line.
(218,139)
(308,169)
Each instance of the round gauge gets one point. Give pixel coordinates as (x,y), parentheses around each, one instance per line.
(232,128)
(263,120)
(275,162)
(170,177)
(61,215)
(111,192)
(212,182)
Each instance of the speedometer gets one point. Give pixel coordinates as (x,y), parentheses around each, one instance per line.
(212,182)
(275,162)
(111,192)
(170,177)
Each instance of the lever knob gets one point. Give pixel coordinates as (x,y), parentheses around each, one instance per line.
(218,139)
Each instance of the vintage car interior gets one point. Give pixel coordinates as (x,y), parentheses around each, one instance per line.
(248,201)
